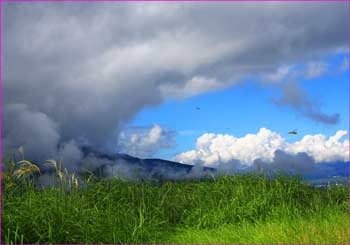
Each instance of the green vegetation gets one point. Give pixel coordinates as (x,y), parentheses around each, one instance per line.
(229,209)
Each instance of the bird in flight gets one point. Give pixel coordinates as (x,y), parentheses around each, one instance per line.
(198,108)
(293,132)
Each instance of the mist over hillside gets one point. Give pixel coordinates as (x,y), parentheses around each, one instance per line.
(132,168)
(127,167)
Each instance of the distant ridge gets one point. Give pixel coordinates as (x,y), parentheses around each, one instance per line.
(128,166)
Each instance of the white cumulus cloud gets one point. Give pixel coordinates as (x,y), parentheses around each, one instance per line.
(215,149)
(321,148)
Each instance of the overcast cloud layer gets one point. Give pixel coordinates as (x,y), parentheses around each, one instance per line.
(75,73)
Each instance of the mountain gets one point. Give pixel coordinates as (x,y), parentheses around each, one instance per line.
(129,167)
(328,170)
(132,168)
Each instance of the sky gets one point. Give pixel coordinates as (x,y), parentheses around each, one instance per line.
(330,87)
(196,83)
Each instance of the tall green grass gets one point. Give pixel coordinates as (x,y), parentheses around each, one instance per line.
(229,209)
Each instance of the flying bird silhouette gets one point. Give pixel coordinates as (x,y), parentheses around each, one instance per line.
(293,132)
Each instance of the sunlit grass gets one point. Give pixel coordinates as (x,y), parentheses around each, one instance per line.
(331,228)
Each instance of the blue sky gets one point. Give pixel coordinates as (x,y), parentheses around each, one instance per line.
(245,108)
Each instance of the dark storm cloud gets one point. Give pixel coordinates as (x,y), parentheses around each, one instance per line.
(79,71)
(33,130)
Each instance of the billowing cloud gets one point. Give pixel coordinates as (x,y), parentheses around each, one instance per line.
(35,131)
(144,142)
(265,146)
(70,154)
(80,80)
(323,149)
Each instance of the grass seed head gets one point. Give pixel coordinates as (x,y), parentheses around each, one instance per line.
(26,168)
(58,170)
(74,180)
(60,175)
(52,163)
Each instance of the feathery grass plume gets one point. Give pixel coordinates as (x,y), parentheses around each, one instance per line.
(74,180)
(21,151)
(51,163)
(58,169)
(26,168)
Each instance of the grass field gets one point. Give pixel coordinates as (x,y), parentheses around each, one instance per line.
(229,209)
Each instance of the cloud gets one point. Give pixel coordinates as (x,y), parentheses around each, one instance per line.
(282,73)
(70,154)
(296,98)
(323,149)
(213,149)
(35,131)
(265,146)
(196,85)
(83,78)
(315,69)
(293,96)
(145,142)
(345,64)
(299,163)
(287,73)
